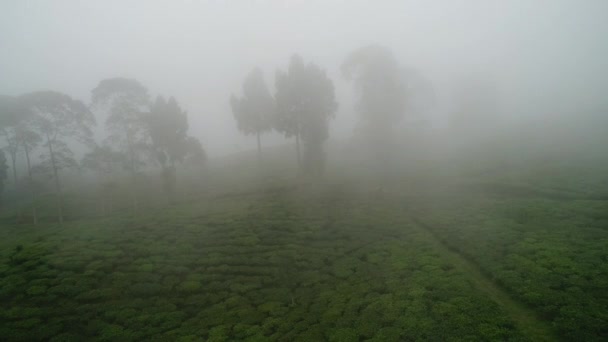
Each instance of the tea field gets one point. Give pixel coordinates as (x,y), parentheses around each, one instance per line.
(335,261)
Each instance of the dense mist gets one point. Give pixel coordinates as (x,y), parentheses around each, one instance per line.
(542,57)
(291,170)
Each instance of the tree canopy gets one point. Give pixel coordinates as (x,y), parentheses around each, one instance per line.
(168,127)
(254,111)
(125,101)
(305,102)
(59,119)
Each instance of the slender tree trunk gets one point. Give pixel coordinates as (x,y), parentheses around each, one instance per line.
(31,181)
(133,172)
(298,150)
(29,165)
(165,174)
(259,146)
(12,151)
(173,181)
(134,186)
(14,161)
(57,184)
(13,155)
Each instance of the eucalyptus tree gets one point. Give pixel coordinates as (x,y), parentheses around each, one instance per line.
(11,113)
(29,139)
(126,102)
(60,121)
(254,110)
(168,127)
(3,173)
(17,128)
(305,101)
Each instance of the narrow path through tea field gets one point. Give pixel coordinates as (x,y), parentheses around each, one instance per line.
(527,320)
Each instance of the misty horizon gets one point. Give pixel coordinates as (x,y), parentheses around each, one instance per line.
(542,57)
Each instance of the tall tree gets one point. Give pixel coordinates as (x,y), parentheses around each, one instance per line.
(3,173)
(125,101)
(290,102)
(11,114)
(29,140)
(305,102)
(16,126)
(168,126)
(60,120)
(254,111)
(380,87)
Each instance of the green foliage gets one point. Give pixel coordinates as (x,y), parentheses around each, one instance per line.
(252,268)
(546,252)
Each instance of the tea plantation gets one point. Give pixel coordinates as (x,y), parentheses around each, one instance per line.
(336,261)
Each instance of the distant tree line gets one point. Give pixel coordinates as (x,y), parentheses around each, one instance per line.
(304,102)
(138,132)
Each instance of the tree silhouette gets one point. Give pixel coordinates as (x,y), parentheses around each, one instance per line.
(3,173)
(168,125)
(11,114)
(59,119)
(126,102)
(17,128)
(305,102)
(254,111)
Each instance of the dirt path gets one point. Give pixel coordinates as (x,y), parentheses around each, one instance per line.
(526,320)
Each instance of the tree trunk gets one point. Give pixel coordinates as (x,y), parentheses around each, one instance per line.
(13,155)
(134,190)
(57,184)
(259,146)
(31,181)
(29,165)
(165,177)
(298,150)
(14,161)
(173,181)
(133,173)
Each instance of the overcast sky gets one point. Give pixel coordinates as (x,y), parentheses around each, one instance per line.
(541,53)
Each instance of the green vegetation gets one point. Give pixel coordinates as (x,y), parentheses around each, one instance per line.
(334,262)
(321,266)
(550,254)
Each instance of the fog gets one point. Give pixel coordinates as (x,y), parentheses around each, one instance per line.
(542,56)
(298,170)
